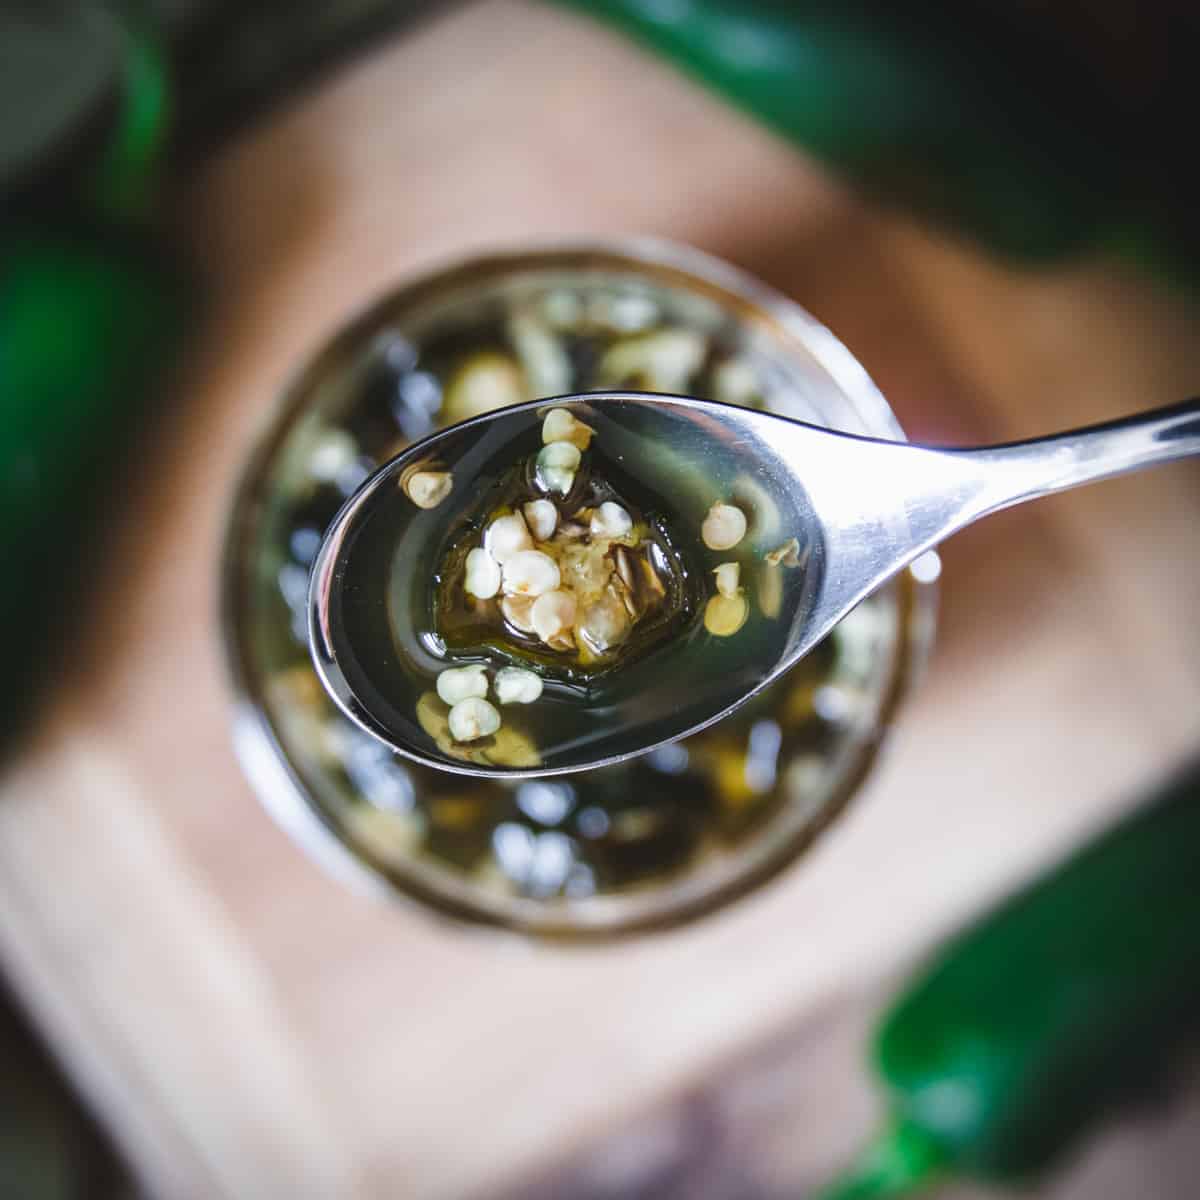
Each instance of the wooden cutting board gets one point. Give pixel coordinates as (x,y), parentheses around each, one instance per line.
(249,1028)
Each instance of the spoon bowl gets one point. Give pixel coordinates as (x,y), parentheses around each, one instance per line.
(371,581)
(842,515)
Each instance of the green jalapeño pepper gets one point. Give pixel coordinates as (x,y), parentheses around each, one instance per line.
(1037,133)
(91,308)
(1076,994)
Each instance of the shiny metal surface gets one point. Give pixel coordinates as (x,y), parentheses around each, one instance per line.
(861,510)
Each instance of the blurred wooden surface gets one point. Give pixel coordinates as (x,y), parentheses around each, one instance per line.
(248,1027)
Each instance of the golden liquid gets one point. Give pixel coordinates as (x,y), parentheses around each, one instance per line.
(660,605)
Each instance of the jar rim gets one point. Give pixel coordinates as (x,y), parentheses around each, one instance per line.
(278,780)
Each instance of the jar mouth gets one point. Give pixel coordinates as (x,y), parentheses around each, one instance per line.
(317,789)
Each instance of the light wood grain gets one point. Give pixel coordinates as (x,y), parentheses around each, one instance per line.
(251,1029)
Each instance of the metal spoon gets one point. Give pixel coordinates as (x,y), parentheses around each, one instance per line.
(860,509)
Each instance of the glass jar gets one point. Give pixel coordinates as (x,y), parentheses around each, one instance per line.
(643,845)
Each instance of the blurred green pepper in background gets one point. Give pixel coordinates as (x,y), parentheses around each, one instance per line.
(90,306)
(1038,129)
(93,300)
(1078,994)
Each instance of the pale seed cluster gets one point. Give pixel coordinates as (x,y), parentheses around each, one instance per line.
(578,584)
(723,528)
(726,612)
(465,690)
(575,584)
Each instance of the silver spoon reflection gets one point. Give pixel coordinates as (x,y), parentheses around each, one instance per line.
(830,518)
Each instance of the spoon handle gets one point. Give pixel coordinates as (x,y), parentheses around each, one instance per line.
(856,483)
(1027,470)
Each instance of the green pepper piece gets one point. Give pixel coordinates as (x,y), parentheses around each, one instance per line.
(86,320)
(1033,1024)
(89,309)
(986,119)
